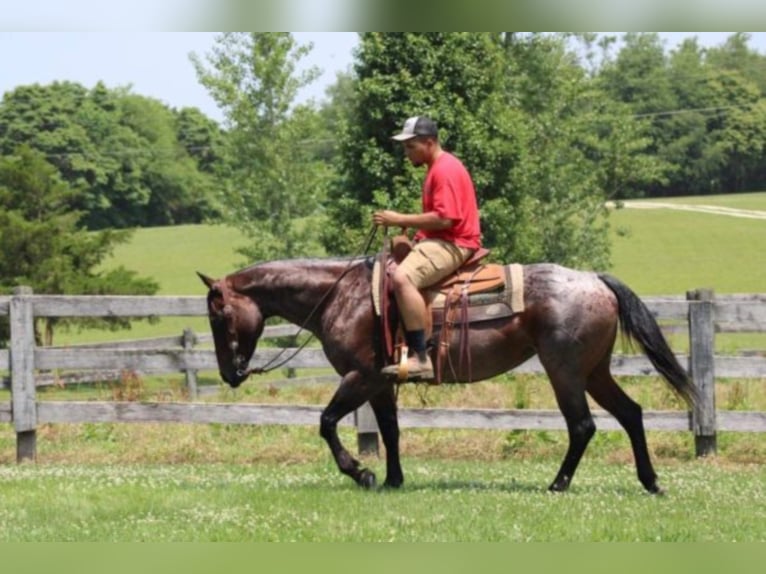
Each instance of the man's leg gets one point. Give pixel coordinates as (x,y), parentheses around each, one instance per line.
(426,264)
(412,309)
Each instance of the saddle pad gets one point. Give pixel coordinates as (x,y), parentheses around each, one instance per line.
(375,285)
(515,277)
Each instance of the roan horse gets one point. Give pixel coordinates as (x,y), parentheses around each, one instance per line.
(570,321)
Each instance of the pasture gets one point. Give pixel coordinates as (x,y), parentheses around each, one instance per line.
(226,482)
(444,502)
(664,251)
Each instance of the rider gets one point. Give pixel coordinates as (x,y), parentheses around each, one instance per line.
(448,234)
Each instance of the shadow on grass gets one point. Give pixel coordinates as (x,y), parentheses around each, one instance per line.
(451,485)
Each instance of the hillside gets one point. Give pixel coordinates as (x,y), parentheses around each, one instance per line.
(173,255)
(669,251)
(655,251)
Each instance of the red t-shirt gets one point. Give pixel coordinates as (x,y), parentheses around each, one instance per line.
(448,190)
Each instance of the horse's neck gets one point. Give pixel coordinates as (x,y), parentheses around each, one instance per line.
(296,291)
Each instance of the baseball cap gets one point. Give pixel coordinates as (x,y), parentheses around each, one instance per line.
(417,126)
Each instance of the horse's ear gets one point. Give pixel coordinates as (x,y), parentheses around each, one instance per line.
(206,280)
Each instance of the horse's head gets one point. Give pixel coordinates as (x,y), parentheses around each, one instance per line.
(237,323)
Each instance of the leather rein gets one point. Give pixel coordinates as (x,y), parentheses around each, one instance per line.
(275,362)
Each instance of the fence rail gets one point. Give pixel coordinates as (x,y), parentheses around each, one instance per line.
(700,313)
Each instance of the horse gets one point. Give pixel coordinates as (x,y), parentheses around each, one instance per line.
(570,320)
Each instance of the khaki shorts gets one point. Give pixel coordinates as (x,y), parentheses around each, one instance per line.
(432,260)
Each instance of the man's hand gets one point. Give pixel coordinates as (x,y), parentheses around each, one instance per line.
(387,218)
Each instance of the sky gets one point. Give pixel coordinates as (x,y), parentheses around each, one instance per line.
(157,64)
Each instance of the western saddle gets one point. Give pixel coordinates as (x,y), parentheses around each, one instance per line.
(475,292)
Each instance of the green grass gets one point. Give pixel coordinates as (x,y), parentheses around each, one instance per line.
(755,201)
(665,252)
(171,256)
(442,501)
(656,252)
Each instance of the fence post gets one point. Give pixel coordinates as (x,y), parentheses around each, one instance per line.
(189,339)
(702,368)
(366,430)
(22,357)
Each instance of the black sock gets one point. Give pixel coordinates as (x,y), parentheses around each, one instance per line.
(416,341)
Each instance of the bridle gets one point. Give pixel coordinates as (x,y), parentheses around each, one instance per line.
(226,316)
(232,338)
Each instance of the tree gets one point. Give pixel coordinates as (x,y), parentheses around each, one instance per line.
(544,144)
(737,133)
(274,176)
(120,150)
(201,137)
(45,247)
(735,54)
(451,77)
(705,109)
(638,77)
(579,149)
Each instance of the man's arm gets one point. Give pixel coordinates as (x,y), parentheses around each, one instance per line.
(429,221)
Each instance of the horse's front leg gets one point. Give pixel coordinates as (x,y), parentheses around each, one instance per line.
(352,393)
(384,406)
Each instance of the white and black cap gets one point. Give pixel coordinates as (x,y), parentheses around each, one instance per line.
(417,126)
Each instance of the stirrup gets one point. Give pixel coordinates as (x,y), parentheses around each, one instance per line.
(402,371)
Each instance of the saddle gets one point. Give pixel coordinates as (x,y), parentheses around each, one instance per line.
(473,293)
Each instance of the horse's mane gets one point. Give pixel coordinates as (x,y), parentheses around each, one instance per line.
(313,262)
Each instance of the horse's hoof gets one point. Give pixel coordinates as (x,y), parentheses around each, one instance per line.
(655,490)
(558,487)
(393,484)
(367,479)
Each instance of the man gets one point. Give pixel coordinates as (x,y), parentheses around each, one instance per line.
(448,234)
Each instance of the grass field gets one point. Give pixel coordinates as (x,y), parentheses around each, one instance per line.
(656,252)
(756,201)
(125,482)
(444,502)
(667,252)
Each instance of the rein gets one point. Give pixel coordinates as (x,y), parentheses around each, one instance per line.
(270,366)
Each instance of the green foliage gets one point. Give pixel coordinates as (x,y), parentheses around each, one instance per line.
(543,143)
(273,176)
(705,111)
(441,502)
(121,152)
(44,246)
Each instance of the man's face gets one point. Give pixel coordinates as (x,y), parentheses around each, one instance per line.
(418,150)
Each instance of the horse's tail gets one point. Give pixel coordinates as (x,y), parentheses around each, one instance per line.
(637,323)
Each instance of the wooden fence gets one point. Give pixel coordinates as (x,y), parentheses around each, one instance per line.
(700,313)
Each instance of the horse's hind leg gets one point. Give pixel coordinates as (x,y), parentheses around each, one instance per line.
(605,391)
(352,393)
(569,387)
(384,406)
(581,428)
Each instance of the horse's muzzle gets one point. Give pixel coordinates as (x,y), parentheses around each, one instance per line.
(233,378)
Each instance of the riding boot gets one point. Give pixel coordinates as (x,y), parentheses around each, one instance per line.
(418,365)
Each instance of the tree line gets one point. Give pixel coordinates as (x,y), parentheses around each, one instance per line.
(551,126)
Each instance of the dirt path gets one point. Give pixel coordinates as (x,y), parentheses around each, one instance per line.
(712,209)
